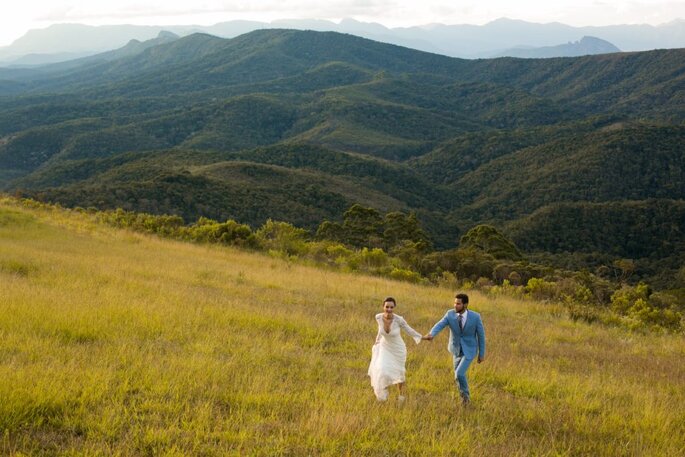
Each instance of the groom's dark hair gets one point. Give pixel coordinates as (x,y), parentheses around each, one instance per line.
(392,300)
(464,298)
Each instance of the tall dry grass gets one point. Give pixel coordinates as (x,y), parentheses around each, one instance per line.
(115,343)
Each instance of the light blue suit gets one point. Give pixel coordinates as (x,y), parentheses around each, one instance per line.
(465,345)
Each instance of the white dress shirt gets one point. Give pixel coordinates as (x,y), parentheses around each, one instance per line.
(464,316)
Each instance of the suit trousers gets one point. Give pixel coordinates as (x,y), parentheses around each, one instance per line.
(461,364)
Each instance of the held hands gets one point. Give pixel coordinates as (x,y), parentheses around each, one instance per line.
(427,336)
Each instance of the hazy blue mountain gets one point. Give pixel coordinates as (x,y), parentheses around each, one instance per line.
(586,46)
(132,48)
(231,29)
(34,60)
(77,38)
(466,41)
(32,74)
(484,41)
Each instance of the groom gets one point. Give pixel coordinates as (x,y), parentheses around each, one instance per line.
(467,340)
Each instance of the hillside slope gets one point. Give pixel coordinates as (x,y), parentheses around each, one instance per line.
(134,345)
(615,163)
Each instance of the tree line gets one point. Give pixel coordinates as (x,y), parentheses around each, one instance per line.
(395,245)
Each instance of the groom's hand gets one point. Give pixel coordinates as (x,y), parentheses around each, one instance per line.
(427,336)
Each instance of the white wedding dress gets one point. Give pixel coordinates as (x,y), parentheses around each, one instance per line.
(388,355)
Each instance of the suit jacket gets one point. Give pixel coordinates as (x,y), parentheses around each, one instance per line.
(470,340)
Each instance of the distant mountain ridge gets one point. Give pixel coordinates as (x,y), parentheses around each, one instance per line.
(466,41)
(244,64)
(586,46)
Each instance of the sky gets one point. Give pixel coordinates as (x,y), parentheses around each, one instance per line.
(17,19)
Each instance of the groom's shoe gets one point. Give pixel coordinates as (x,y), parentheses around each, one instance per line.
(465,401)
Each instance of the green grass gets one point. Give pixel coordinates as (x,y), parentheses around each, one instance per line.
(115,343)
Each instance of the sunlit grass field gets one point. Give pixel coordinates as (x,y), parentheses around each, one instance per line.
(115,343)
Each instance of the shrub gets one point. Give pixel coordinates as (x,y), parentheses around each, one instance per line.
(579,312)
(646,314)
(165,225)
(467,285)
(405,275)
(540,289)
(372,260)
(447,279)
(328,252)
(507,289)
(645,310)
(515,278)
(229,232)
(601,289)
(483,283)
(282,237)
(624,298)
(583,295)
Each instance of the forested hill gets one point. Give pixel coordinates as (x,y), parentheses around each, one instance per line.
(299,126)
(200,62)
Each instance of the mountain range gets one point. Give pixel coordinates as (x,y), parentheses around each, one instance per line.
(299,125)
(585,46)
(502,37)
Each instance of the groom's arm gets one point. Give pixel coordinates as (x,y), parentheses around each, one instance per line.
(441,324)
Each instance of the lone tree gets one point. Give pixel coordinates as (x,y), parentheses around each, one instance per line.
(363,226)
(400,227)
(488,239)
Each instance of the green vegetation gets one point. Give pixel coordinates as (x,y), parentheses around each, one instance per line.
(300,126)
(489,240)
(649,232)
(613,163)
(394,245)
(115,342)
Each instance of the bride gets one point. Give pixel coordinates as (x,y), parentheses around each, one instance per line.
(389,353)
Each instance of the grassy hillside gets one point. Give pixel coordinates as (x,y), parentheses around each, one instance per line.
(118,343)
